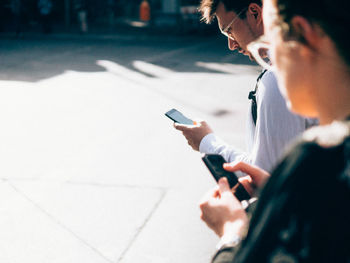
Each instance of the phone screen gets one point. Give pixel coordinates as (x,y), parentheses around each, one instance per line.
(178,117)
(215,162)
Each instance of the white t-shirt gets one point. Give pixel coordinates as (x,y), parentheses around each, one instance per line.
(275,127)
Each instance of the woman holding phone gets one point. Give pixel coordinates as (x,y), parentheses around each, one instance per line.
(303,212)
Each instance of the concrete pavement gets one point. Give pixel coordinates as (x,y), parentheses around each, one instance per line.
(91,169)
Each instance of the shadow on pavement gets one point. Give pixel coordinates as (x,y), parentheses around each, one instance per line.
(33,58)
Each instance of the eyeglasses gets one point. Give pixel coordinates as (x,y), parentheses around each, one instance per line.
(227,31)
(260,50)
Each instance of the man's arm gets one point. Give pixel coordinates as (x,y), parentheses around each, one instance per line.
(212,144)
(201,138)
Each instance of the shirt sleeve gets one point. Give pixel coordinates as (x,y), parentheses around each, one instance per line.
(212,144)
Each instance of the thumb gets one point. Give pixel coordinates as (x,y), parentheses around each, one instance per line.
(180,127)
(224,187)
(258,175)
(248,184)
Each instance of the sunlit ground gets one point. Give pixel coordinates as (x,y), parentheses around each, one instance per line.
(92,170)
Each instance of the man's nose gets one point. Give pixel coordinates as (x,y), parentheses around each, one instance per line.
(231,44)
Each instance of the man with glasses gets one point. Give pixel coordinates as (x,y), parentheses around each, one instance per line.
(270,124)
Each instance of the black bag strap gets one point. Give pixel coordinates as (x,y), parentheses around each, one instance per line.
(252,97)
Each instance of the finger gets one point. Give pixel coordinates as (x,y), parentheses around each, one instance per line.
(234,189)
(224,187)
(181,127)
(258,175)
(217,194)
(247,183)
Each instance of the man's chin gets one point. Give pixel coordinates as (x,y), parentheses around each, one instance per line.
(248,54)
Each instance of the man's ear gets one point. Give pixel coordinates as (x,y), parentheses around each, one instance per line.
(255,10)
(309,34)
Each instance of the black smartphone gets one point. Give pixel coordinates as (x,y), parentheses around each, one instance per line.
(178,117)
(215,162)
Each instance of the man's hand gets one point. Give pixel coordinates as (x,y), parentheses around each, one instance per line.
(256,177)
(194,133)
(222,211)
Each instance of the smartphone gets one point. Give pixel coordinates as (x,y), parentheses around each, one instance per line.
(178,117)
(215,162)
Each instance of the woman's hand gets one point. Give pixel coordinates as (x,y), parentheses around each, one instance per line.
(256,177)
(222,211)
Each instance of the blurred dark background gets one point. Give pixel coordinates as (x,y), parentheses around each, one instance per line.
(103,16)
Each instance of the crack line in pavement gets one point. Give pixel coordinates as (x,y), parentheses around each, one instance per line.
(159,188)
(58,222)
(30,179)
(142,226)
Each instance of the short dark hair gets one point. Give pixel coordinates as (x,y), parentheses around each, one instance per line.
(208,7)
(331,15)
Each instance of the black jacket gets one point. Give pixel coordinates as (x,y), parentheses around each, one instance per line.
(303,213)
